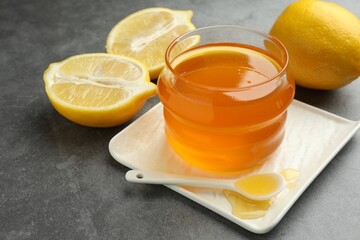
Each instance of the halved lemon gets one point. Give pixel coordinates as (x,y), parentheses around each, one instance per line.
(98,89)
(146,34)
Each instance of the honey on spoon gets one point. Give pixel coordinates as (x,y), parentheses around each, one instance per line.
(259,187)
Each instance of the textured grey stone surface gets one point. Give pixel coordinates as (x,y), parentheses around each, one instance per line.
(58,180)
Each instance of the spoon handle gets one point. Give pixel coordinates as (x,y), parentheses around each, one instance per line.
(142,176)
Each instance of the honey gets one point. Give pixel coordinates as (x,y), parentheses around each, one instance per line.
(225,106)
(245,208)
(290,174)
(257,185)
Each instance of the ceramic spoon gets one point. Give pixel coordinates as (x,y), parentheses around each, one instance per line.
(256,187)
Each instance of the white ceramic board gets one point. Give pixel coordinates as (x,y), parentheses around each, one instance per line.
(313,137)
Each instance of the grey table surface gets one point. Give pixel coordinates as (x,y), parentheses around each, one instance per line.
(58,180)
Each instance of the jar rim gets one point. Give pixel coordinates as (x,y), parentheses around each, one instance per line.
(267,36)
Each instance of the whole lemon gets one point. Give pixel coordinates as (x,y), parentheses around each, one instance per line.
(323,41)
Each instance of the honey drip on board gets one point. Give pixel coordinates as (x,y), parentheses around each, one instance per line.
(245,208)
(290,174)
